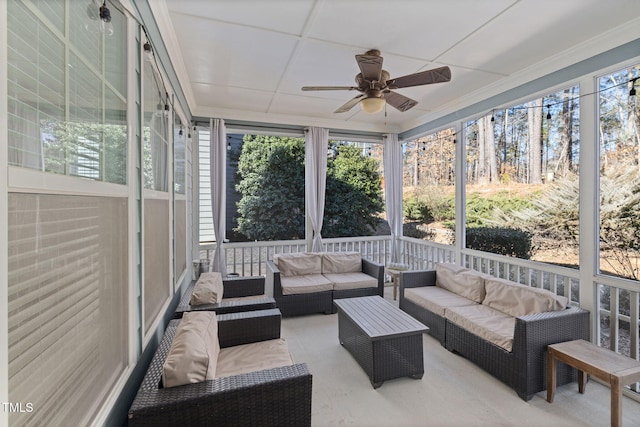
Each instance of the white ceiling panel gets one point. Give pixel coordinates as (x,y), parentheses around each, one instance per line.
(281,16)
(419,29)
(528,33)
(248,59)
(225,54)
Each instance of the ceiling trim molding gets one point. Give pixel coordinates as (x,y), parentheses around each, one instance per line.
(376,128)
(235,126)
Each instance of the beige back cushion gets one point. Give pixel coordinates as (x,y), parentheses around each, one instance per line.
(519,300)
(298,264)
(193,355)
(461,281)
(208,289)
(341,262)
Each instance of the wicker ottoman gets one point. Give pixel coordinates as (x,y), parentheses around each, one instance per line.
(385,341)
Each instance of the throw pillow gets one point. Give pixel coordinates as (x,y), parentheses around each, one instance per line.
(208,289)
(193,355)
(298,264)
(519,300)
(341,262)
(461,281)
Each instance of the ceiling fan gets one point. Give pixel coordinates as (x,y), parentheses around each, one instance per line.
(376,86)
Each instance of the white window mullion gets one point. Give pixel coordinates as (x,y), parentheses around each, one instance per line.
(589,199)
(4,249)
(134,126)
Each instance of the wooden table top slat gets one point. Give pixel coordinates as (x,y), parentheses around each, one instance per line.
(379,318)
(599,358)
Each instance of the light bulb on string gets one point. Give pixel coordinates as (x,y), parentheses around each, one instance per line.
(105,19)
(632,93)
(148,51)
(98,18)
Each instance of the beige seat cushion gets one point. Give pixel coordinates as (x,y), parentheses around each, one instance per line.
(305,284)
(341,262)
(298,264)
(519,300)
(253,357)
(194,350)
(462,281)
(485,322)
(209,289)
(435,299)
(355,280)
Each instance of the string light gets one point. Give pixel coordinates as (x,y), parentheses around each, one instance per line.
(548,112)
(148,52)
(99,18)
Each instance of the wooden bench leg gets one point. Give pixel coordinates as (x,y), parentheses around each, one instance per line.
(616,403)
(582,381)
(552,365)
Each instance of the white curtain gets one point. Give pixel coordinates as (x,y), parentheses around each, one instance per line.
(218,163)
(316,146)
(393,189)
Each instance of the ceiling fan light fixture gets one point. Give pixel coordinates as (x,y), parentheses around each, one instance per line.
(372,105)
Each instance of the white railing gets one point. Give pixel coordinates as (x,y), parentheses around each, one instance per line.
(618,314)
(559,280)
(249,258)
(423,254)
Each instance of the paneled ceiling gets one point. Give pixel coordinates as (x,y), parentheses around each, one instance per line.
(248,59)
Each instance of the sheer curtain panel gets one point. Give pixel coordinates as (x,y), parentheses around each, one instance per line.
(218,191)
(316,145)
(393,189)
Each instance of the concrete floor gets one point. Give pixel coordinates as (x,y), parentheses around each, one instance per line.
(453,391)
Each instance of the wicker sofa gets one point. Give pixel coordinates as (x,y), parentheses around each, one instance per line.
(515,351)
(308,282)
(240,294)
(278,396)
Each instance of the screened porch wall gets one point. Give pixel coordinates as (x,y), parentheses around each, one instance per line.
(98,220)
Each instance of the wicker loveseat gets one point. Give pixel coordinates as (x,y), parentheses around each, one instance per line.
(278,396)
(515,350)
(240,294)
(308,282)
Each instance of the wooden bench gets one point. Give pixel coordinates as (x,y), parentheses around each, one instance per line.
(589,359)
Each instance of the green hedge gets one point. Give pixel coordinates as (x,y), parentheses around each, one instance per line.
(503,241)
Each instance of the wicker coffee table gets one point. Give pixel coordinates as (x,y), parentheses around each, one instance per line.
(383,339)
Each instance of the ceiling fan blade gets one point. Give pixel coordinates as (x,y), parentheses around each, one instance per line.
(437,75)
(308,88)
(370,66)
(350,104)
(399,102)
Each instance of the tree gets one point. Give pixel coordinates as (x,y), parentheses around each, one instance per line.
(353,192)
(535,141)
(565,163)
(271,183)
